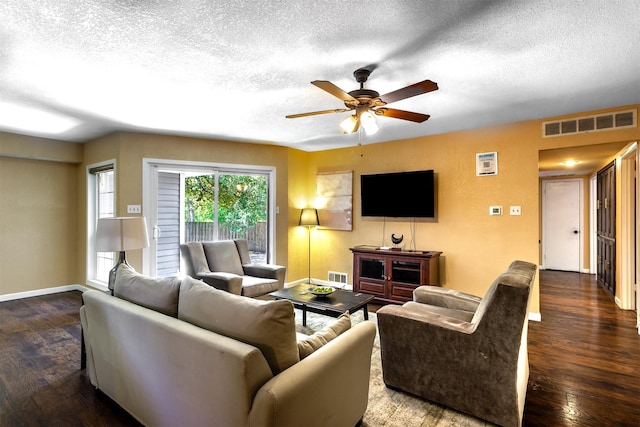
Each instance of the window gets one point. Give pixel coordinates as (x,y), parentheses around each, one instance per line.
(101,204)
(228,205)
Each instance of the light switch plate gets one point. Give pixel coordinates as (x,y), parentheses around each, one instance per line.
(134,209)
(515,210)
(495,210)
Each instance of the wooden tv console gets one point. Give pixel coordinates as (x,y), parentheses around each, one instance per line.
(390,275)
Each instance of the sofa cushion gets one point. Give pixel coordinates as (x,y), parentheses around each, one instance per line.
(159,294)
(267,325)
(196,263)
(256,286)
(323,336)
(243,250)
(223,255)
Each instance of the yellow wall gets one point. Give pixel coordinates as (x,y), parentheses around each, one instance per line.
(299,196)
(38,213)
(476,246)
(28,147)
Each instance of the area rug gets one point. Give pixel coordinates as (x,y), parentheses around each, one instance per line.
(391,408)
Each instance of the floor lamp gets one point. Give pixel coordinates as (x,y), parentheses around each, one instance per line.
(121,234)
(309,218)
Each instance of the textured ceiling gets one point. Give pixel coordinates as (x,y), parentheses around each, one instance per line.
(234,69)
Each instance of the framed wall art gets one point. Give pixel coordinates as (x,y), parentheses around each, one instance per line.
(335,200)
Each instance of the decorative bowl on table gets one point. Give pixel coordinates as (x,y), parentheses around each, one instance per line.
(322,291)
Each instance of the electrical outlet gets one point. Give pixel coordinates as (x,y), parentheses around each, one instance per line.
(515,210)
(134,209)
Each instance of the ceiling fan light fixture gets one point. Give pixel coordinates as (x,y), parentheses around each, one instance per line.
(367,103)
(369,123)
(348,125)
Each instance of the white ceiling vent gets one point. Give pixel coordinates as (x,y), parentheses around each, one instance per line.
(621,119)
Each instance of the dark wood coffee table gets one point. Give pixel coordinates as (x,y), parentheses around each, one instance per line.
(331,305)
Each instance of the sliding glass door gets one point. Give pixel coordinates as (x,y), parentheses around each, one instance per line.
(194,202)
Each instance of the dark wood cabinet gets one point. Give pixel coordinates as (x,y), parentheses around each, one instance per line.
(606,228)
(391,276)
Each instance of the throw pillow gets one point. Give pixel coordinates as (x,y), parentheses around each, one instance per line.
(266,324)
(154,293)
(320,338)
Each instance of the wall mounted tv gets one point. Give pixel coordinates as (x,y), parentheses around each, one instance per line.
(398,195)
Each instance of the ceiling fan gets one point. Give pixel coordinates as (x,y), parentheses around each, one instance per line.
(366,103)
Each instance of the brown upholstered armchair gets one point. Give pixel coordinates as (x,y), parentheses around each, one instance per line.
(461,351)
(226,265)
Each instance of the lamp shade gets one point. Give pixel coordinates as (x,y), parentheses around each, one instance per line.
(121,234)
(348,125)
(309,217)
(369,123)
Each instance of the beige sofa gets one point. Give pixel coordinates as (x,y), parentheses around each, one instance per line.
(179,352)
(226,265)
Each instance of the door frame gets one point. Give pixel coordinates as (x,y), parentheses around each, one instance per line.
(580,220)
(593,224)
(150,190)
(628,242)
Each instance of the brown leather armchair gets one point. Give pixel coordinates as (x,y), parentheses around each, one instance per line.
(226,265)
(461,351)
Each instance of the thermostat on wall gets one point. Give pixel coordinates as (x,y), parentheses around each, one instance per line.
(495,210)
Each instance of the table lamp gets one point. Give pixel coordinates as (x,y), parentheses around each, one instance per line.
(121,234)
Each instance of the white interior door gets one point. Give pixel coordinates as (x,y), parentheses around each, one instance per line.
(562,223)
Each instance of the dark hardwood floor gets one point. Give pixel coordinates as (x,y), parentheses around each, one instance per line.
(584,359)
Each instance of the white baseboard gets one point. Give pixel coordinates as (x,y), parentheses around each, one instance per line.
(536,317)
(40,292)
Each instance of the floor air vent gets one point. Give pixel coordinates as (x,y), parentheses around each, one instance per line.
(621,119)
(337,277)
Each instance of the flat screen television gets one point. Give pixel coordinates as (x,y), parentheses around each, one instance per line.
(398,194)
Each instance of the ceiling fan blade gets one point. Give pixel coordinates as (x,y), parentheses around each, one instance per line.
(315,113)
(333,90)
(409,91)
(401,114)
